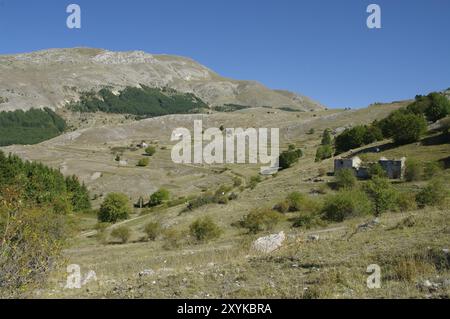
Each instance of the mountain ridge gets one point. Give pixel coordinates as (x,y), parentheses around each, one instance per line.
(54,77)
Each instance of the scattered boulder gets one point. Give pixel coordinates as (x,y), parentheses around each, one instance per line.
(146,272)
(369,225)
(270,243)
(313,237)
(123,163)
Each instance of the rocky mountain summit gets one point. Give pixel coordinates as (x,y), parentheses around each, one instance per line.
(52,78)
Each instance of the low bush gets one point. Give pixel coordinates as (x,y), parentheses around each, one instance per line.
(376,170)
(323,152)
(102,234)
(346,204)
(260,219)
(237,181)
(204,229)
(200,201)
(299,202)
(115,207)
(433,194)
(173,238)
(406,201)
(143,162)
(432,170)
(345,179)
(382,194)
(150,151)
(152,230)
(290,157)
(159,197)
(122,233)
(255,180)
(282,207)
(413,171)
(308,220)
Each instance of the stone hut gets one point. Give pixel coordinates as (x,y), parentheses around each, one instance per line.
(347,163)
(395,169)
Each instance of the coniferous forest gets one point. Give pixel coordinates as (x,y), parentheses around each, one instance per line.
(29,127)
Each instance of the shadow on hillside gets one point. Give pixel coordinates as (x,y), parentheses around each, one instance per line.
(376,149)
(436,140)
(446,162)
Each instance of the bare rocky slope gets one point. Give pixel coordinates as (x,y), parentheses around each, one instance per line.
(51,78)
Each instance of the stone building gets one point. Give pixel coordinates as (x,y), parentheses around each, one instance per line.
(347,163)
(395,169)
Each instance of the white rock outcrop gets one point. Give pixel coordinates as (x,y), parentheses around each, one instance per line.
(270,243)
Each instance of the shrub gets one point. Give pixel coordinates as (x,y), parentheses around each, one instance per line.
(255,180)
(388,124)
(115,207)
(62,206)
(413,171)
(382,194)
(260,219)
(176,202)
(101,234)
(301,203)
(123,233)
(346,204)
(204,229)
(221,199)
(406,202)
(432,169)
(223,190)
(376,170)
(233,196)
(323,152)
(345,178)
(409,128)
(434,106)
(159,197)
(433,194)
(357,137)
(326,137)
(200,201)
(173,238)
(237,181)
(143,162)
(31,243)
(150,151)
(308,220)
(290,157)
(282,207)
(221,196)
(152,230)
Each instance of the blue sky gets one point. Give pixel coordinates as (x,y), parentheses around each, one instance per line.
(319,48)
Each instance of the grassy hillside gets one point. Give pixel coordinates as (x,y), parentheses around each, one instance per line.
(408,244)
